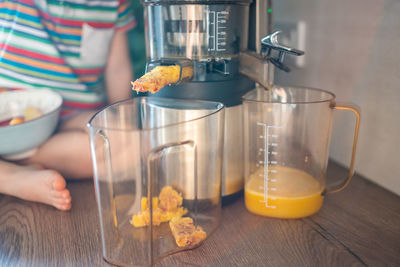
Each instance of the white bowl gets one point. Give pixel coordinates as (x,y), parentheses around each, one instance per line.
(21,140)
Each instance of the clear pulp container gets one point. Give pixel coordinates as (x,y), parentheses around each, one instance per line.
(287,133)
(139,148)
(199,30)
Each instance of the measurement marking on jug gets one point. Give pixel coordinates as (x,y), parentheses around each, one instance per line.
(211,30)
(268,181)
(217,30)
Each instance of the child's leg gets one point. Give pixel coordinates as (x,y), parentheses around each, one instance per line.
(68,151)
(34,184)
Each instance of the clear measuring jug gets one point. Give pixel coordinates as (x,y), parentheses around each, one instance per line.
(150,149)
(287,133)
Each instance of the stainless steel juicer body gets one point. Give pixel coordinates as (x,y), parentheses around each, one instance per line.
(211,34)
(214,36)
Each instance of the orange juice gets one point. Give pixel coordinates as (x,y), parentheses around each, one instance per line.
(289,193)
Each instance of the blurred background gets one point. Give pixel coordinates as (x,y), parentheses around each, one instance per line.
(351,49)
(137,41)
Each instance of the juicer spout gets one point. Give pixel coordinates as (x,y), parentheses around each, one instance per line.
(185,68)
(256,65)
(270,43)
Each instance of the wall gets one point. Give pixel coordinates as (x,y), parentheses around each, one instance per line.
(353,49)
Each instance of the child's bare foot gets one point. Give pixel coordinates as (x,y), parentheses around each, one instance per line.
(34,184)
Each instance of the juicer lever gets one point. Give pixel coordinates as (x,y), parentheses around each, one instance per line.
(270,43)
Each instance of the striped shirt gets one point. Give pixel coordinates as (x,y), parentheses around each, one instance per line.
(60,44)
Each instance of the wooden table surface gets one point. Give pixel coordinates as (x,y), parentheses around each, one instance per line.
(359,226)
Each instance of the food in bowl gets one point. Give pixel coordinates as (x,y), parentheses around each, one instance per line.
(30,113)
(38,112)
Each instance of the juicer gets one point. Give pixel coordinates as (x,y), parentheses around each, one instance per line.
(230,46)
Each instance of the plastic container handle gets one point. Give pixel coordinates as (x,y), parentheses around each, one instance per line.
(346,182)
(152,173)
(109,175)
(159,152)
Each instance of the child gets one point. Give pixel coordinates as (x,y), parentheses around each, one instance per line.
(76,48)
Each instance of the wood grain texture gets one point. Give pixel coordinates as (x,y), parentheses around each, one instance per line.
(359,226)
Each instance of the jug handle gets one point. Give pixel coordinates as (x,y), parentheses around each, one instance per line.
(109,170)
(356,111)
